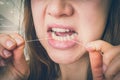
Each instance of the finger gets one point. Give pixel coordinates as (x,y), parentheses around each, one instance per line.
(19,58)
(4,53)
(111,54)
(99,45)
(94,48)
(18,38)
(19,51)
(96,65)
(7,42)
(113,70)
(104,47)
(20,61)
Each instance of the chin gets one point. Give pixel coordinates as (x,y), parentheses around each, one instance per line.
(66,56)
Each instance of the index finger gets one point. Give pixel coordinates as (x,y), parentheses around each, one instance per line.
(94,48)
(96,65)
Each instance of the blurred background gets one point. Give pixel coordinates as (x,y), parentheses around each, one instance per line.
(11,15)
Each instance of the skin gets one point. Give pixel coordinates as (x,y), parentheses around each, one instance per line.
(12,47)
(87,17)
(76,13)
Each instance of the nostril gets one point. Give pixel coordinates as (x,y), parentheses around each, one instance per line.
(60,9)
(69,10)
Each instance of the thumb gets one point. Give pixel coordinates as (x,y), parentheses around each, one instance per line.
(19,60)
(18,55)
(18,52)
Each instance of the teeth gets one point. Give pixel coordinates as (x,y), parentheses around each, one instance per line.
(60,30)
(63,38)
(68,37)
(72,36)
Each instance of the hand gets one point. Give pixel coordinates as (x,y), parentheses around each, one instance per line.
(105,60)
(13,65)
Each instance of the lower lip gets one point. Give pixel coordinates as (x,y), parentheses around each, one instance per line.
(61,44)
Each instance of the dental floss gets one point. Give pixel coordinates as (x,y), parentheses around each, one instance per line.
(27,41)
(37,40)
(50,38)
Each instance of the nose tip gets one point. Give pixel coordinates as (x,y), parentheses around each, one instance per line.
(59,9)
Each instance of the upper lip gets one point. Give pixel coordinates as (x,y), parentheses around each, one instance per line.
(63,26)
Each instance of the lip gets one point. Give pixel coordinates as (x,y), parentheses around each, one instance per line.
(60,26)
(61,44)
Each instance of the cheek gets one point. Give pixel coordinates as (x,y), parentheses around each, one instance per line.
(92,24)
(92,30)
(38,19)
(91,34)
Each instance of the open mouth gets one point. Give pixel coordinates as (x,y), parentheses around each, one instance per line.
(62,34)
(61,37)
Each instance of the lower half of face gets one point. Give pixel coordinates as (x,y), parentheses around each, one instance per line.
(66,44)
(64,33)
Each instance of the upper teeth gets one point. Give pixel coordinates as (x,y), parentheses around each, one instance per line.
(60,30)
(62,38)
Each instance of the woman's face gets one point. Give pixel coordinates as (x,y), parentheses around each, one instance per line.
(65,26)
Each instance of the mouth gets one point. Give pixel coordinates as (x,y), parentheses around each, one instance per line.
(61,37)
(62,34)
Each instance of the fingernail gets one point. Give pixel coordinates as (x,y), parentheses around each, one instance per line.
(90,47)
(7,53)
(19,41)
(9,43)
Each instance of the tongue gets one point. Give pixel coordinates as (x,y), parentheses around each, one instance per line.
(63,33)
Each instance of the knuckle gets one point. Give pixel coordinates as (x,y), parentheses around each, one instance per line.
(18,38)
(10,41)
(4,53)
(7,42)
(10,44)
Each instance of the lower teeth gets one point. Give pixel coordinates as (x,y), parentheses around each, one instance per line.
(63,38)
